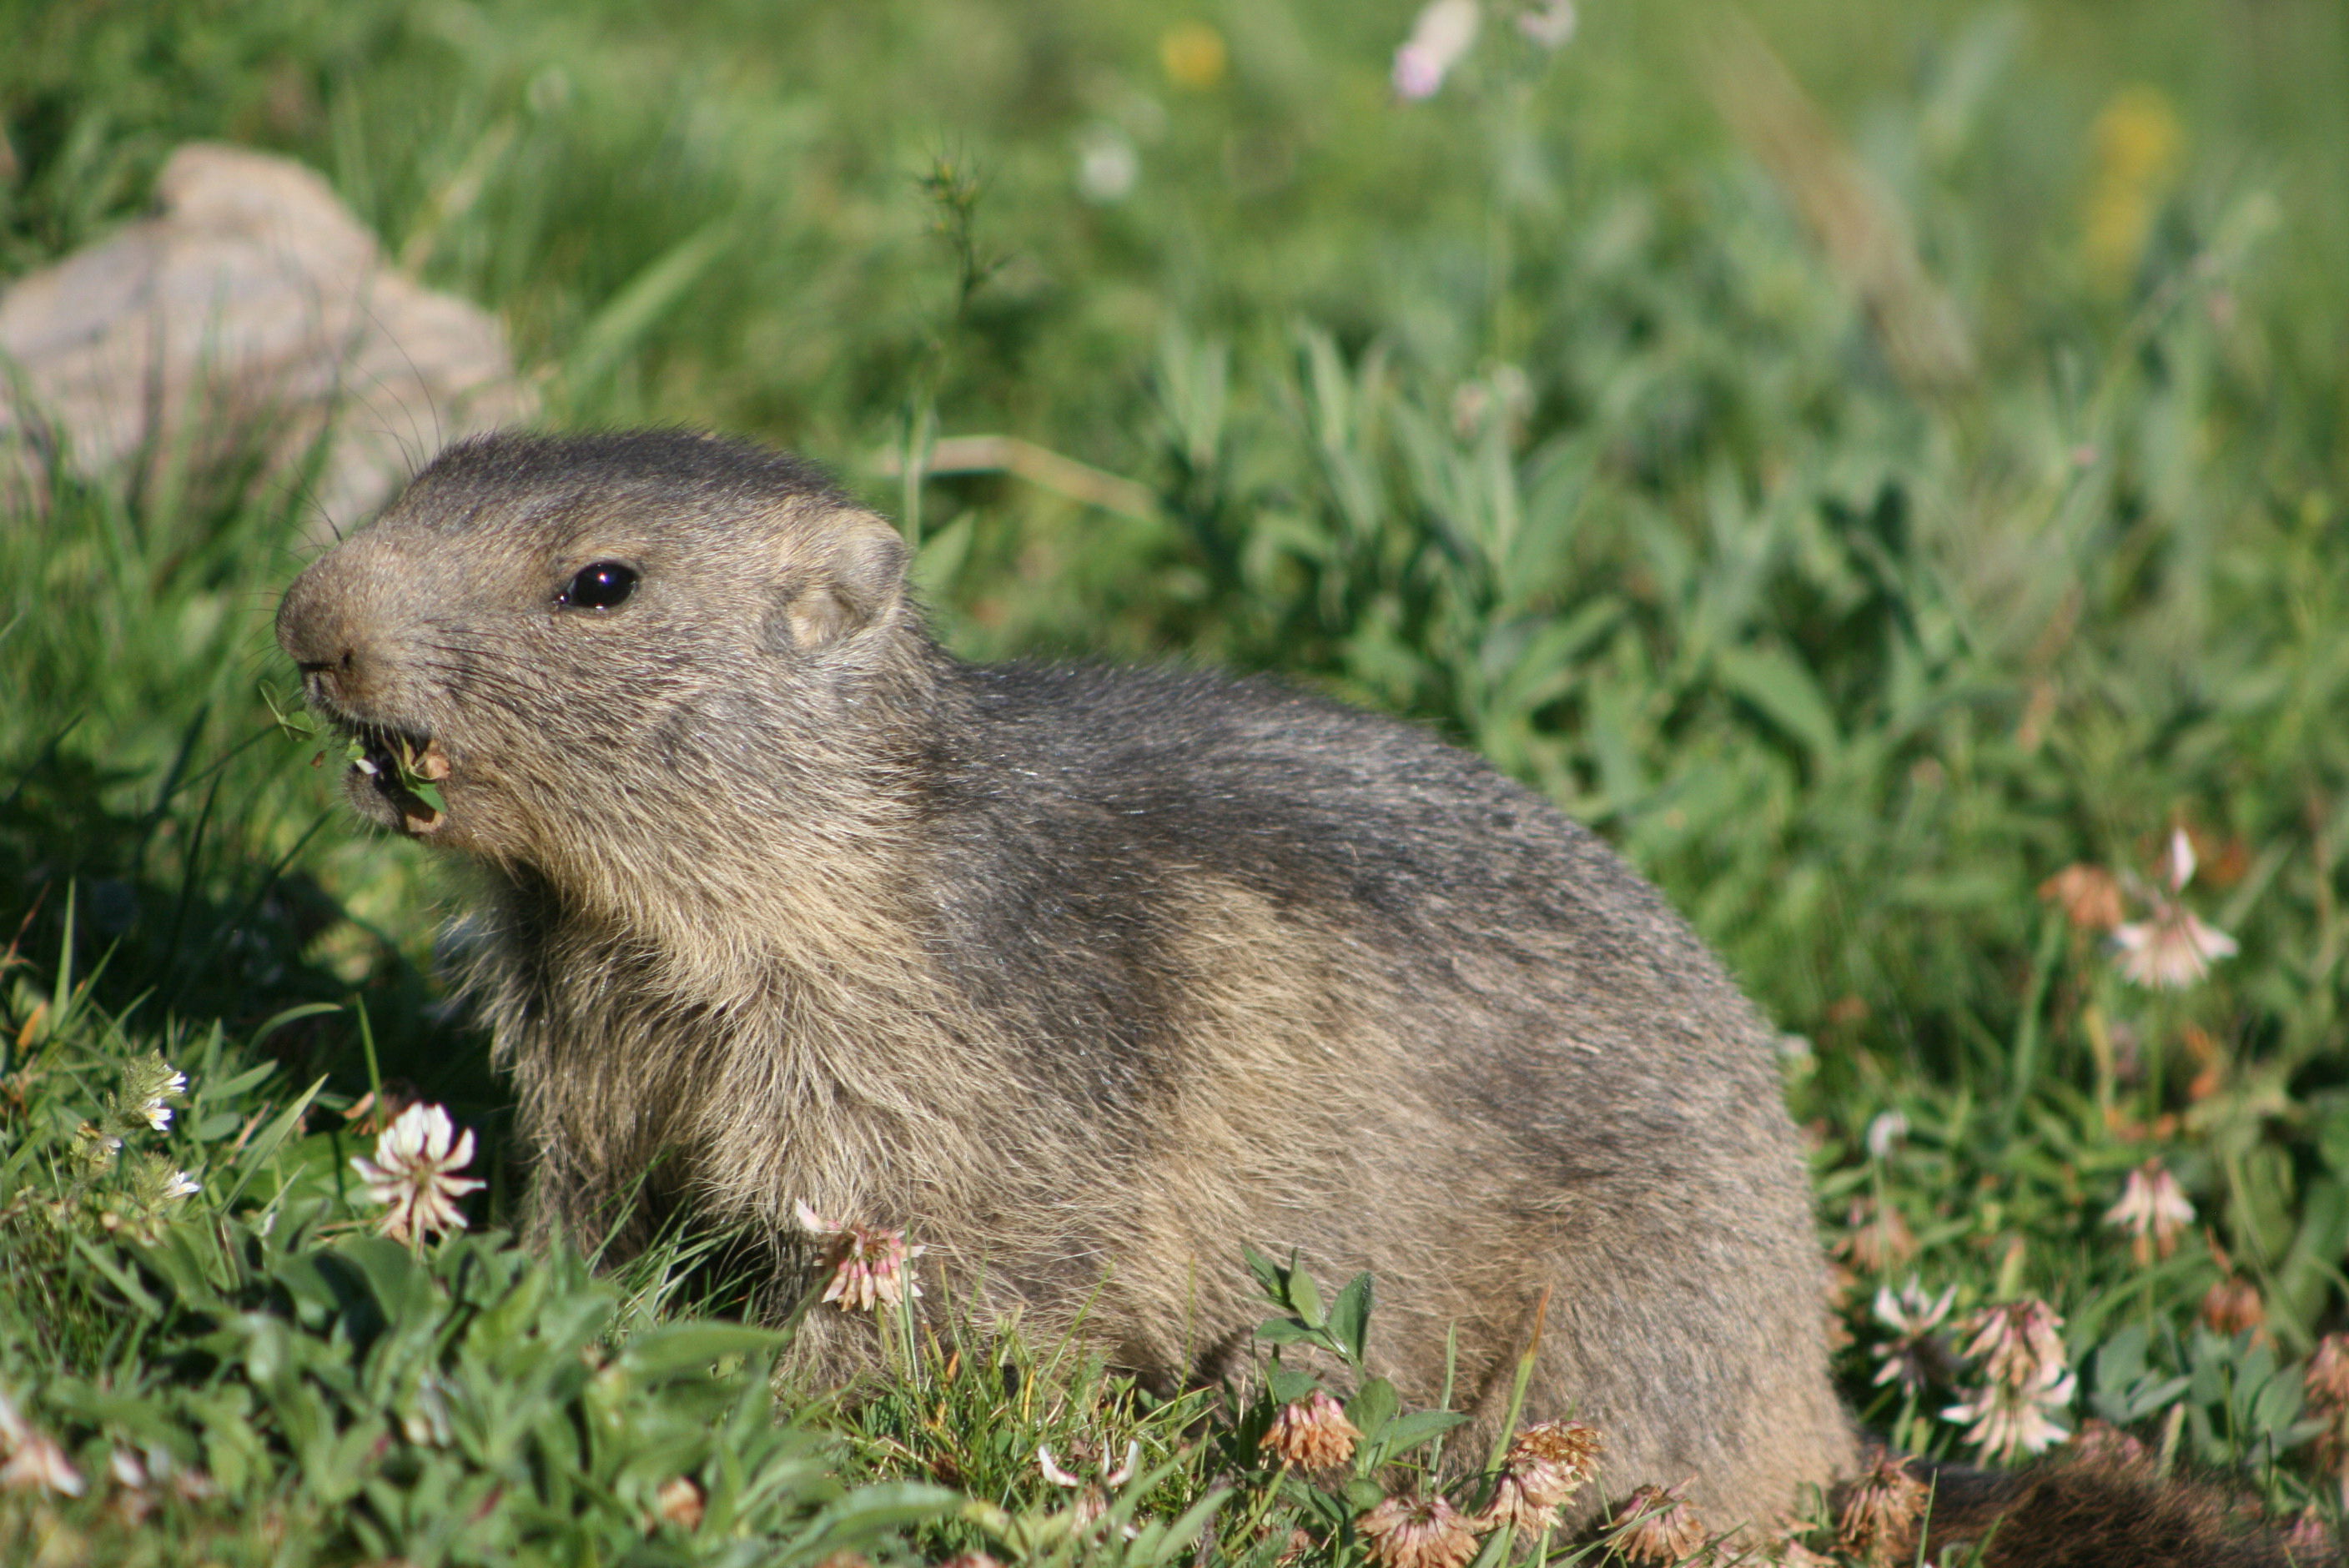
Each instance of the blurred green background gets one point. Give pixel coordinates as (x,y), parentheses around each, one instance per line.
(1864,459)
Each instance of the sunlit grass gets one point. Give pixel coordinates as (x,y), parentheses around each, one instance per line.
(1577,410)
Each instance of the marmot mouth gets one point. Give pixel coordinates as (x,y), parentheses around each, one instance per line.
(403,769)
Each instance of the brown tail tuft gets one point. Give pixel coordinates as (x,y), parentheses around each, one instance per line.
(2087,1514)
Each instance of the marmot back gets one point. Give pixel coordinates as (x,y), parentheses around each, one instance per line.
(1085,977)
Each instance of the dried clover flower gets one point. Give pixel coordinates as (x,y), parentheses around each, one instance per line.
(2153,1210)
(1656,1525)
(1545,1465)
(2102,1443)
(2327,1375)
(2089,896)
(1417,1532)
(413,1175)
(2232,1305)
(869,1263)
(1312,1434)
(1879,1240)
(679,1502)
(1877,1522)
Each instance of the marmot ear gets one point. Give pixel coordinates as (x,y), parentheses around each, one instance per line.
(849,571)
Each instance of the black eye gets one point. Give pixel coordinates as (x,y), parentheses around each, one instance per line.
(606,585)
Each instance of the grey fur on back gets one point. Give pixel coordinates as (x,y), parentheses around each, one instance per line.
(1086,977)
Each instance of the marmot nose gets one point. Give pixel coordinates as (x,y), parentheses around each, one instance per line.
(320,630)
(325,677)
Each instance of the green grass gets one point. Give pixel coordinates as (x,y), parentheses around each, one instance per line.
(1534,412)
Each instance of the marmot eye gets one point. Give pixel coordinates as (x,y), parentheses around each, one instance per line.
(606,585)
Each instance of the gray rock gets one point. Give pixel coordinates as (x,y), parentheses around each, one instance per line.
(251,317)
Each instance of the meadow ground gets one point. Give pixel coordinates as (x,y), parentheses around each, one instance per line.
(1887,468)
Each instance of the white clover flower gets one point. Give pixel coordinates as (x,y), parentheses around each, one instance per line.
(2153,1210)
(2026,1384)
(1909,1356)
(2008,1420)
(412,1174)
(2172,948)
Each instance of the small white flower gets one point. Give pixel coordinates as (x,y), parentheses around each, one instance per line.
(1551,24)
(1440,38)
(2181,859)
(129,1469)
(157,1115)
(34,1458)
(1885,1132)
(1107,166)
(2172,949)
(412,1174)
(1051,1470)
(2153,1210)
(180,1185)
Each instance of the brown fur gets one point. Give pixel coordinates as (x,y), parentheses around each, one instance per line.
(1085,977)
(2085,1513)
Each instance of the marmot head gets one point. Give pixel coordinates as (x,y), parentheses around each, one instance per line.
(566,636)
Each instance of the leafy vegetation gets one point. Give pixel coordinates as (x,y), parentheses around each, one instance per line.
(1898,510)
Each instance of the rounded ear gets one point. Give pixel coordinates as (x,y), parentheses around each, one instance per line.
(847,572)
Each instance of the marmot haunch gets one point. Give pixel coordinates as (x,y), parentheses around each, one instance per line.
(1084,977)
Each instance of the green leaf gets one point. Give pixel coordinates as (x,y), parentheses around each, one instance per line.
(1161,1543)
(1349,1317)
(1408,1431)
(257,1154)
(613,332)
(1288,1386)
(1374,1405)
(277,1021)
(693,1348)
(1269,1275)
(1786,694)
(1305,1296)
(1286,1331)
